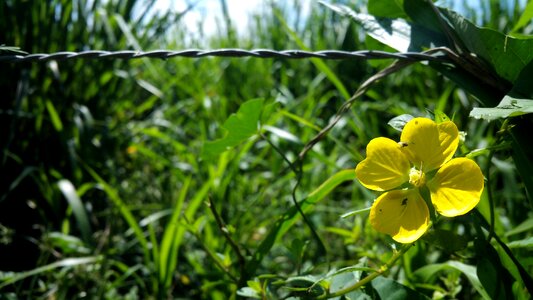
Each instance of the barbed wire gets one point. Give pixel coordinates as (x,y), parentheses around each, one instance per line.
(8,57)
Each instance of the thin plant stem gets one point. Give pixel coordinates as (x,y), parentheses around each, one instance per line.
(225,233)
(526,278)
(210,253)
(499,136)
(370,277)
(298,172)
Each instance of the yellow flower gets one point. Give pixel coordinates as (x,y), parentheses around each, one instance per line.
(422,159)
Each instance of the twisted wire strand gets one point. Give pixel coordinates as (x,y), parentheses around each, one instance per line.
(198,53)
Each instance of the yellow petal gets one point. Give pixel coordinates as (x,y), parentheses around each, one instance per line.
(449,139)
(385,166)
(456,187)
(403,214)
(427,144)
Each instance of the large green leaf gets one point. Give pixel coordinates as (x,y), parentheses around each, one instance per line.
(508,107)
(421,33)
(239,127)
(522,87)
(391,32)
(490,271)
(471,74)
(386,8)
(506,54)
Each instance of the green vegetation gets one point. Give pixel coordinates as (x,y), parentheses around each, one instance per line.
(182,178)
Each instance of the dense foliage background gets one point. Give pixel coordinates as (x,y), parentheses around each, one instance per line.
(109,189)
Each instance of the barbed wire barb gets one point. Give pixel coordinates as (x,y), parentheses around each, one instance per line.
(10,57)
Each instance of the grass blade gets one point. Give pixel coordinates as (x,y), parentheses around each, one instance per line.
(69,191)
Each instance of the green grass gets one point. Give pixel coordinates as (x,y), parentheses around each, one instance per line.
(105,187)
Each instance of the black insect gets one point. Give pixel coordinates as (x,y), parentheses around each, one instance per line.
(403,144)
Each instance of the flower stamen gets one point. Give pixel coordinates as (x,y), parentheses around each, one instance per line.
(417,177)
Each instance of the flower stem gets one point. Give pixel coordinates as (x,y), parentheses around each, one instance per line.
(370,277)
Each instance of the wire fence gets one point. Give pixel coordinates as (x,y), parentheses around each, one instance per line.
(10,57)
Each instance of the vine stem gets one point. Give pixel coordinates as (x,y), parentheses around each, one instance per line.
(224,230)
(297,170)
(499,136)
(370,277)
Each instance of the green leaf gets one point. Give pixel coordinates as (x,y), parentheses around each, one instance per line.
(67,244)
(170,242)
(69,191)
(54,116)
(525,243)
(490,271)
(393,33)
(399,122)
(522,87)
(239,127)
(508,107)
(123,210)
(440,116)
(65,263)
(248,292)
(429,272)
(525,18)
(289,218)
(346,277)
(522,227)
(386,8)
(506,54)
(426,32)
(392,290)
(283,134)
(304,286)
(522,153)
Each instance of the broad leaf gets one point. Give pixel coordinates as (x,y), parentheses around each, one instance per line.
(508,107)
(491,273)
(386,8)
(522,87)
(399,122)
(239,127)
(506,54)
(393,33)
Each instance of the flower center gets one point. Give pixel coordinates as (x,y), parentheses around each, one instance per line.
(417,177)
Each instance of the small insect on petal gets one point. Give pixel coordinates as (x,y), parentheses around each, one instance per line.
(403,144)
